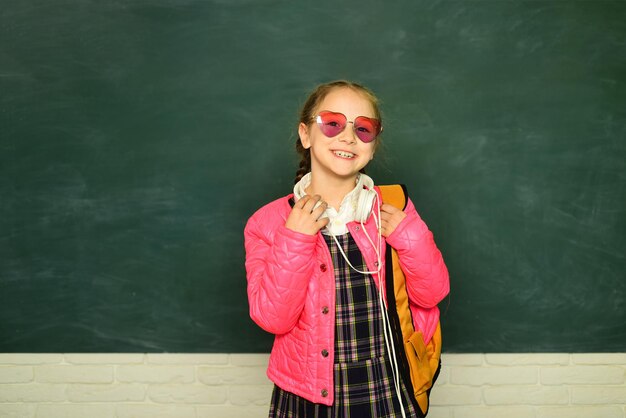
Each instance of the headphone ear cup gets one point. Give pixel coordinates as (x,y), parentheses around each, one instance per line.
(364,205)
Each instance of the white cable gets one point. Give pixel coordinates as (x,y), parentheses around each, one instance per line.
(350,264)
(388,332)
(377,249)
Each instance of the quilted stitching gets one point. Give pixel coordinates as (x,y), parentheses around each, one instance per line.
(420,260)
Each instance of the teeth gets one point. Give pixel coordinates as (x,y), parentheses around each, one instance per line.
(344,154)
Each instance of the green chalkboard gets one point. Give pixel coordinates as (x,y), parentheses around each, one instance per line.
(136,138)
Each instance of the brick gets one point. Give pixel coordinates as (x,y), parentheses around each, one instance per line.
(580,375)
(188,359)
(258,395)
(106,393)
(16,374)
(232,375)
(34,359)
(233,411)
(493,412)
(478,376)
(527,359)
(187,394)
(439,412)
(454,395)
(462,359)
(598,395)
(75,411)
(155,374)
(580,412)
(155,411)
(32,393)
(105,358)
(8,410)
(526,395)
(260,360)
(600,358)
(74,374)
(444,376)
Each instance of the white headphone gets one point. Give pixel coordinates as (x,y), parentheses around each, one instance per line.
(364,208)
(364,205)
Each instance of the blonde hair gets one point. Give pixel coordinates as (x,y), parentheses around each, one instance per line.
(311,105)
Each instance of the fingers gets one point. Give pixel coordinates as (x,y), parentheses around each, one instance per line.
(302,201)
(385,226)
(306,216)
(318,209)
(313,205)
(390,218)
(322,222)
(390,209)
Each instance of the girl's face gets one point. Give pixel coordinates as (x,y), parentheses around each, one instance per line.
(343,155)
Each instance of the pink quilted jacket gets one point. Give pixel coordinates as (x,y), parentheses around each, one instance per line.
(291,291)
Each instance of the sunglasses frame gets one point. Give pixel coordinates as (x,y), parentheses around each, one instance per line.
(377,125)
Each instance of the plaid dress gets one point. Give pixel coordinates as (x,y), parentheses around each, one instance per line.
(363,377)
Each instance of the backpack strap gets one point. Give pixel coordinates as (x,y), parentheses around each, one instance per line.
(419,363)
(394,194)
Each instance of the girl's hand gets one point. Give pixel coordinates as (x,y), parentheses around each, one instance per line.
(390,218)
(305,217)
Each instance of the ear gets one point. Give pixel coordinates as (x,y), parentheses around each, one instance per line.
(303,131)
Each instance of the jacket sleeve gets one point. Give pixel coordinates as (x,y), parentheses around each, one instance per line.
(278,268)
(420,259)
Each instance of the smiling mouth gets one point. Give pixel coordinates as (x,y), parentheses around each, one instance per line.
(344,154)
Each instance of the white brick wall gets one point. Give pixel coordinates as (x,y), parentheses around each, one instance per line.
(235,386)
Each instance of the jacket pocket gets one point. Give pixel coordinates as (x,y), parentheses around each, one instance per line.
(419,363)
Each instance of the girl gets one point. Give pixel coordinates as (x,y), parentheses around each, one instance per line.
(314,268)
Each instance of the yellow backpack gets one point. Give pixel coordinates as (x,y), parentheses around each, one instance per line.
(419,363)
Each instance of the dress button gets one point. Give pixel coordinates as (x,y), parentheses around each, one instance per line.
(324,393)
(323,267)
(324,353)
(357,228)
(325,310)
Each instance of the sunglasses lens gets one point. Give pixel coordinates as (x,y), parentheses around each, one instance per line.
(367,129)
(330,123)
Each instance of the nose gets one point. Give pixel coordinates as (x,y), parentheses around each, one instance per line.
(348,135)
